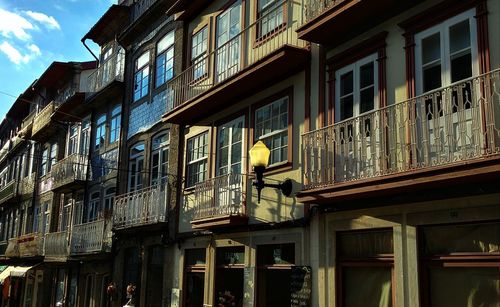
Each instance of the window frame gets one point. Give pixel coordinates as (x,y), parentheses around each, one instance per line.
(100,132)
(164,52)
(115,118)
(188,183)
(95,204)
(193,61)
(140,70)
(283,166)
(272,6)
(164,146)
(136,158)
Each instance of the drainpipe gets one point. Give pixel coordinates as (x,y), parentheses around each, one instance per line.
(96,58)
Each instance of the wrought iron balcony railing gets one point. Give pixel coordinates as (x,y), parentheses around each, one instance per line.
(220,196)
(314,8)
(42,119)
(66,93)
(70,169)
(8,191)
(140,7)
(275,29)
(91,237)
(143,207)
(108,71)
(56,244)
(456,123)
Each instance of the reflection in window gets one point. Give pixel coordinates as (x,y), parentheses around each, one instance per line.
(165,59)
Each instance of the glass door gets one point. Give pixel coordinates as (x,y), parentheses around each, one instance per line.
(228,45)
(228,184)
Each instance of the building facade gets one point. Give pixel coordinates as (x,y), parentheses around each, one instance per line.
(127,180)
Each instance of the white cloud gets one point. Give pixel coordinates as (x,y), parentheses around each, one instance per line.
(48,21)
(12,24)
(16,57)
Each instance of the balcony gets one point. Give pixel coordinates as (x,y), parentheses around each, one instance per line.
(92,237)
(438,138)
(266,51)
(8,192)
(346,18)
(42,122)
(107,73)
(56,245)
(70,172)
(220,201)
(25,246)
(143,207)
(45,184)
(26,186)
(5,150)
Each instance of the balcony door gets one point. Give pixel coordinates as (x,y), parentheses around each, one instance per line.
(357,133)
(228,44)
(136,167)
(230,142)
(447,112)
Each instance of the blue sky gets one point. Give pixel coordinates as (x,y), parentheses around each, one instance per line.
(34,33)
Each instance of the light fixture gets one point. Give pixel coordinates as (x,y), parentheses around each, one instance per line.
(259,159)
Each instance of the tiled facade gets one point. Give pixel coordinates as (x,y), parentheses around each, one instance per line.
(134,170)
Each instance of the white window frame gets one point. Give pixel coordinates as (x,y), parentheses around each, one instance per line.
(94,207)
(134,161)
(85,134)
(142,70)
(192,163)
(115,124)
(443,29)
(198,58)
(158,149)
(100,132)
(355,68)
(230,146)
(165,47)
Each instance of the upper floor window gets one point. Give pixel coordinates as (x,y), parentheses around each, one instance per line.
(270,17)
(197,159)
(446,53)
(73,140)
(136,166)
(356,88)
(85,136)
(271,127)
(199,45)
(165,59)
(100,132)
(159,158)
(141,76)
(115,124)
(109,198)
(94,207)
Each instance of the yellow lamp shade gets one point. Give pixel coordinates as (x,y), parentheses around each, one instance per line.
(259,155)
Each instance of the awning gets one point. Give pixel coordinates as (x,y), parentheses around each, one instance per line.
(14,271)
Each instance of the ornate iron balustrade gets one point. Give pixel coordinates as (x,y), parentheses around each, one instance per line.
(26,185)
(276,28)
(220,196)
(8,191)
(143,207)
(70,169)
(314,8)
(56,244)
(109,71)
(140,7)
(43,117)
(91,237)
(456,123)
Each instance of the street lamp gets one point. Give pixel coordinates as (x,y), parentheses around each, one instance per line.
(259,159)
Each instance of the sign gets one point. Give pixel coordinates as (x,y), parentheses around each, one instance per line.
(300,286)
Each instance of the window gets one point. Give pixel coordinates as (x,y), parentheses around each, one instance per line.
(271,127)
(100,132)
(114,133)
(36,218)
(230,147)
(459,264)
(85,136)
(94,207)
(270,17)
(228,42)
(365,261)
(107,64)
(109,198)
(45,218)
(136,166)
(229,275)
(159,159)
(274,271)
(165,59)
(199,45)
(197,158)
(141,76)
(66,212)
(49,158)
(72,140)
(194,277)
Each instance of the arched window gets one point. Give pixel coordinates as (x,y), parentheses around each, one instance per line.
(94,207)
(136,166)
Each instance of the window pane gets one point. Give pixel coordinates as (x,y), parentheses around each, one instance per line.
(346,107)
(346,83)
(367,287)
(431,48)
(366,76)
(461,67)
(367,97)
(443,240)
(364,244)
(432,77)
(470,287)
(166,42)
(459,36)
